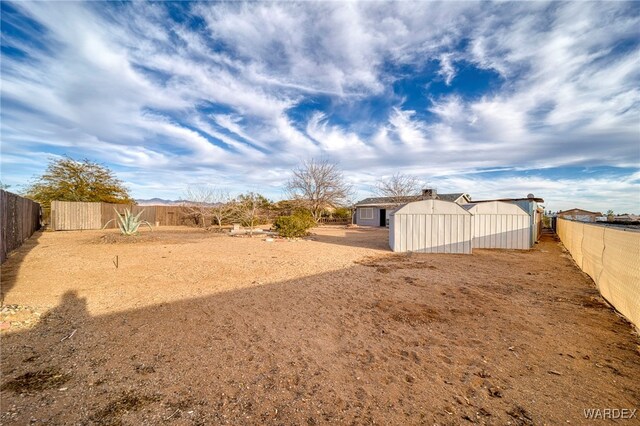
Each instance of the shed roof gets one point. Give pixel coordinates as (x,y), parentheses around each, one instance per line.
(432,207)
(495,207)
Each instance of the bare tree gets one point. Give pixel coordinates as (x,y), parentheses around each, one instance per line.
(206,204)
(399,186)
(250,208)
(317,185)
(223,206)
(198,203)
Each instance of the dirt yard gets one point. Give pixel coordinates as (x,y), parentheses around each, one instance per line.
(191,327)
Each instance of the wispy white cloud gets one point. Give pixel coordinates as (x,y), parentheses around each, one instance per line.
(447,70)
(215,93)
(591,193)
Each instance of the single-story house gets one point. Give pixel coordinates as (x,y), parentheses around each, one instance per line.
(375,211)
(579,215)
(626,218)
(531,205)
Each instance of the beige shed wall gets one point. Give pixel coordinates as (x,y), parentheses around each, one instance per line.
(499,225)
(431,226)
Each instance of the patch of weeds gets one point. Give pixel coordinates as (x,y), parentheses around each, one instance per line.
(111,414)
(495,392)
(483,373)
(387,264)
(182,404)
(409,312)
(37,381)
(126,239)
(521,416)
(144,369)
(593,303)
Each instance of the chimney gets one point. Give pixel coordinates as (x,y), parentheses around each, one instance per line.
(429,194)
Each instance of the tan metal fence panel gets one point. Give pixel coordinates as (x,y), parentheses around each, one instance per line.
(560,231)
(611,257)
(71,215)
(620,279)
(567,240)
(576,242)
(592,249)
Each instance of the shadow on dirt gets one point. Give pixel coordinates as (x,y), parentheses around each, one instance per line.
(414,340)
(11,267)
(357,237)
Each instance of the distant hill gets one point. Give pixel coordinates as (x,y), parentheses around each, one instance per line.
(159,202)
(163,202)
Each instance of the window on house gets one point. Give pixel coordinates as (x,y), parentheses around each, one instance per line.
(366,213)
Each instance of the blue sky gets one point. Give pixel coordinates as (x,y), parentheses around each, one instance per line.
(492,99)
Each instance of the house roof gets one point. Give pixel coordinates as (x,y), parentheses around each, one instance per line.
(382,201)
(581,211)
(449,197)
(495,207)
(536,199)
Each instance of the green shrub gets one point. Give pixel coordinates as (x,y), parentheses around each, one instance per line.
(295,225)
(342,213)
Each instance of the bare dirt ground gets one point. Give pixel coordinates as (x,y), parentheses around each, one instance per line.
(194,327)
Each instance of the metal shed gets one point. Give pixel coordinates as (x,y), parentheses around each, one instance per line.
(500,225)
(431,226)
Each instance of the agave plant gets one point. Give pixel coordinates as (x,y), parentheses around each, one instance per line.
(129,223)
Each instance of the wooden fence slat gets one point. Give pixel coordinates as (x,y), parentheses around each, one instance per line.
(148,213)
(72,215)
(109,218)
(335,220)
(170,216)
(19,219)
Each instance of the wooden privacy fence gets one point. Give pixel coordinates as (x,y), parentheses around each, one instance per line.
(611,257)
(71,215)
(335,220)
(75,215)
(20,218)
